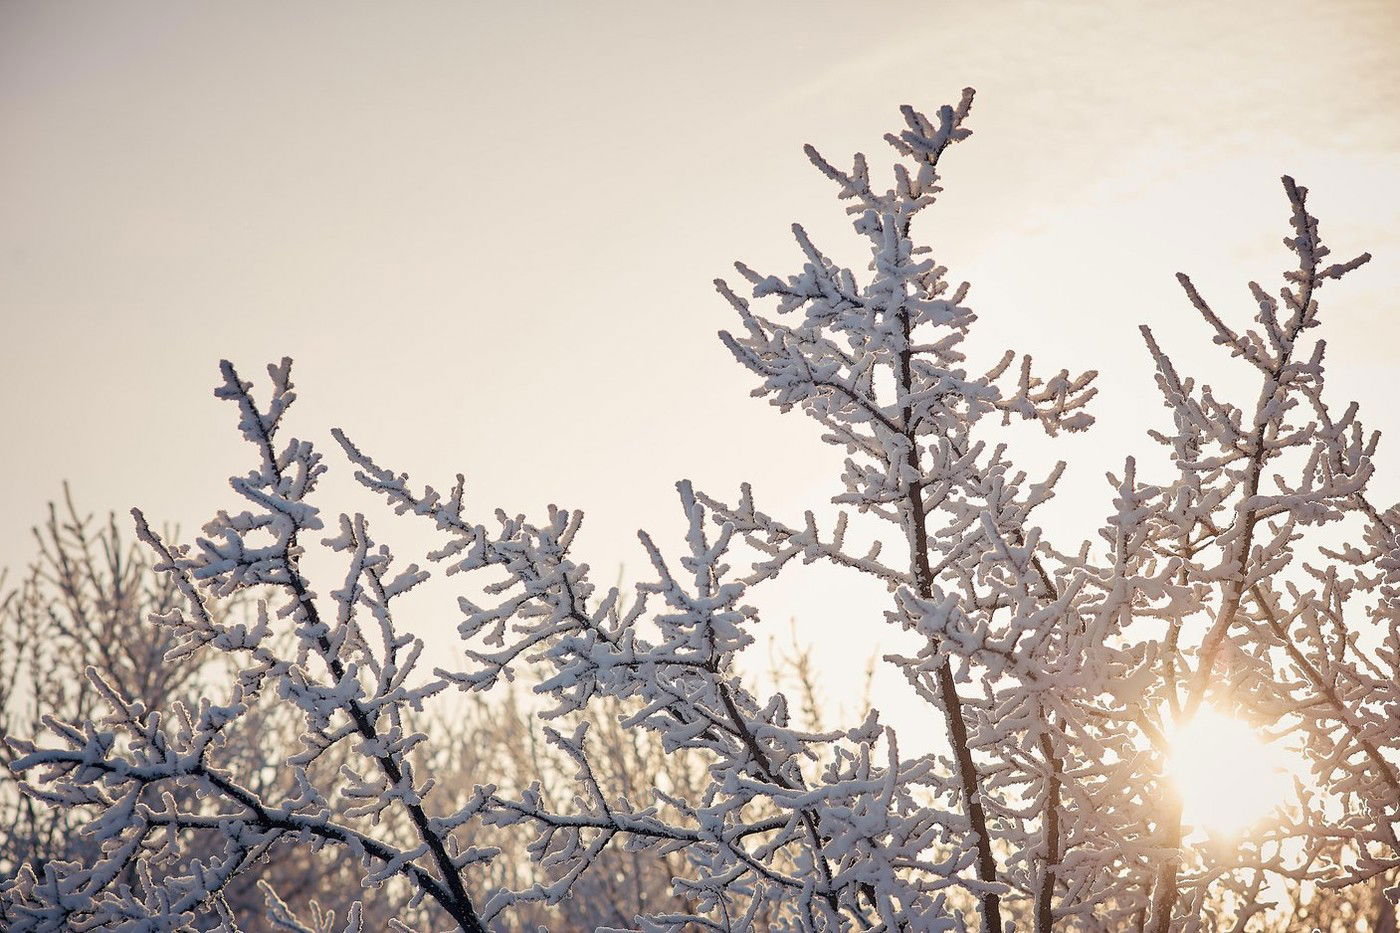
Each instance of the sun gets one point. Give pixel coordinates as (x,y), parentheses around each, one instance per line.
(1226,776)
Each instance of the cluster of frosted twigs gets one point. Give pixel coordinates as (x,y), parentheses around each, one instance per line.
(1251,570)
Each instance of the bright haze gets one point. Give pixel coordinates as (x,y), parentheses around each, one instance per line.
(486,233)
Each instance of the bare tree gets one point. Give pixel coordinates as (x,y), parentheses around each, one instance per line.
(1256,578)
(88,591)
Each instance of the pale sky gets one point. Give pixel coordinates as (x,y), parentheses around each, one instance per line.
(487,233)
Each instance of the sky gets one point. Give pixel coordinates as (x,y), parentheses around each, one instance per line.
(487,234)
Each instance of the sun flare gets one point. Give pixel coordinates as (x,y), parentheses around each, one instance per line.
(1227,777)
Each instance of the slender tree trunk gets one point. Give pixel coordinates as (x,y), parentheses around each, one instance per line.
(1045,893)
(989,903)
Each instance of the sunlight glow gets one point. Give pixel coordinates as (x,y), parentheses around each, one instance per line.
(1227,777)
